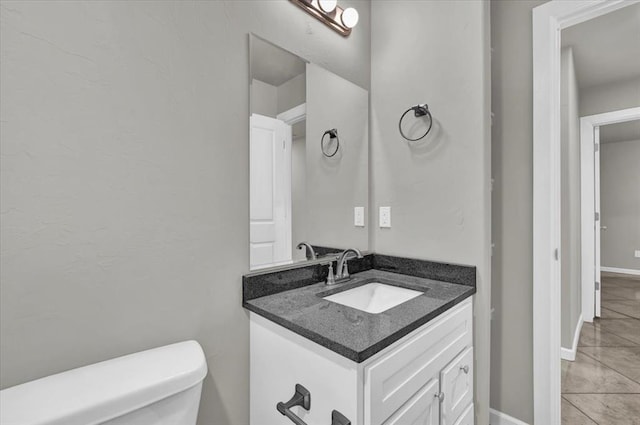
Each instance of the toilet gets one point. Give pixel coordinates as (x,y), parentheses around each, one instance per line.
(161,386)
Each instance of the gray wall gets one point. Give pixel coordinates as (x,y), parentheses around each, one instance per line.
(620,204)
(292,93)
(512,206)
(570,204)
(270,100)
(124,169)
(438,189)
(610,97)
(335,185)
(298,196)
(264,98)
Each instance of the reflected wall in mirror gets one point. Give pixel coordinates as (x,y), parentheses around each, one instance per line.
(298,193)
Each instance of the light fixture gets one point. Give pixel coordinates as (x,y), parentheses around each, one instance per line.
(349,17)
(332,15)
(328,6)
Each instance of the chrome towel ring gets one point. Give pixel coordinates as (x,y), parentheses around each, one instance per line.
(421,110)
(333,134)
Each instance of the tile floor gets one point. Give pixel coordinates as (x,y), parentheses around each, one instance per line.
(602,386)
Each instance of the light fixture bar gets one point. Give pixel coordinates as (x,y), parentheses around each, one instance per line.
(332,19)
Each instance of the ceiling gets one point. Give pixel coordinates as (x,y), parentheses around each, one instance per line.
(621,132)
(606,49)
(273,65)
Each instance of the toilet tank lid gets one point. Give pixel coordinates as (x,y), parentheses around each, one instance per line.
(99,392)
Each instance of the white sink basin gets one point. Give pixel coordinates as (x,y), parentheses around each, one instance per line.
(374,297)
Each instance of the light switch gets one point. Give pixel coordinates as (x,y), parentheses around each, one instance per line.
(385,216)
(358,216)
(637,253)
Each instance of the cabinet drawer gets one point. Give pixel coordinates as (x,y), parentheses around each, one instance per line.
(456,382)
(395,377)
(467,416)
(423,408)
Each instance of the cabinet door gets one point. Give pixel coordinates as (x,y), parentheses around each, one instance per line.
(467,417)
(422,409)
(456,382)
(280,359)
(395,377)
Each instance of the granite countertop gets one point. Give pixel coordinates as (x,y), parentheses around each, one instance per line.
(353,333)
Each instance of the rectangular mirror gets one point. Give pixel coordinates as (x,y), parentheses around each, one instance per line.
(309,149)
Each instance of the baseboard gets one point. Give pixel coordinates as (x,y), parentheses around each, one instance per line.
(570,353)
(498,418)
(567,354)
(619,270)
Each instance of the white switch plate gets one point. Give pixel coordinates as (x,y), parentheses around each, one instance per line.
(637,253)
(385,216)
(358,216)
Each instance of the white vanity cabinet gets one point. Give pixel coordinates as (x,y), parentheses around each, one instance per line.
(424,378)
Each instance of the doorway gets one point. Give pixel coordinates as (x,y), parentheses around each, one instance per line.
(548,20)
(592,220)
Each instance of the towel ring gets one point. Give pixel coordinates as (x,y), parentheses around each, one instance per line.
(333,134)
(418,111)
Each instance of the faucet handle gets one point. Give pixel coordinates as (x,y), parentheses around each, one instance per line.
(345,270)
(331,278)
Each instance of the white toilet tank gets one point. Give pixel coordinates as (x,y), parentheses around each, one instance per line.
(160,386)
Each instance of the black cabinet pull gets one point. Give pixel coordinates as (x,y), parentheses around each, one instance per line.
(302,397)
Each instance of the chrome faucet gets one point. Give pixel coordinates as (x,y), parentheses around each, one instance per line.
(310,252)
(343,271)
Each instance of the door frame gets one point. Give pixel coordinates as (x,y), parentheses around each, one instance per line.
(548,20)
(588,126)
(294,115)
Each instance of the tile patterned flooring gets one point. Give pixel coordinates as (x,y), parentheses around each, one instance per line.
(602,386)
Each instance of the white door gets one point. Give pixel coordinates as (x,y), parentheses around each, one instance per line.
(598,218)
(270,192)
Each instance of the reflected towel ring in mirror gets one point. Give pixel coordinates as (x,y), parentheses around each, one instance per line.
(333,138)
(421,110)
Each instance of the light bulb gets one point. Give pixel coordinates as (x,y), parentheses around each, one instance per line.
(328,6)
(349,17)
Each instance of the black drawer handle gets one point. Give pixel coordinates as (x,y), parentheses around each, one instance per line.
(302,397)
(338,418)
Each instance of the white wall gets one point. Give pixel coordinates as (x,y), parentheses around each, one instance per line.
(124,169)
(438,189)
(512,206)
(570,204)
(620,204)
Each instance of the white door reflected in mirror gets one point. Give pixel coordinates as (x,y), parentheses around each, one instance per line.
(270,192)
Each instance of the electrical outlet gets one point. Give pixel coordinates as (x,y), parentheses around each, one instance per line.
(358,216)
(637,253)
(385,217)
